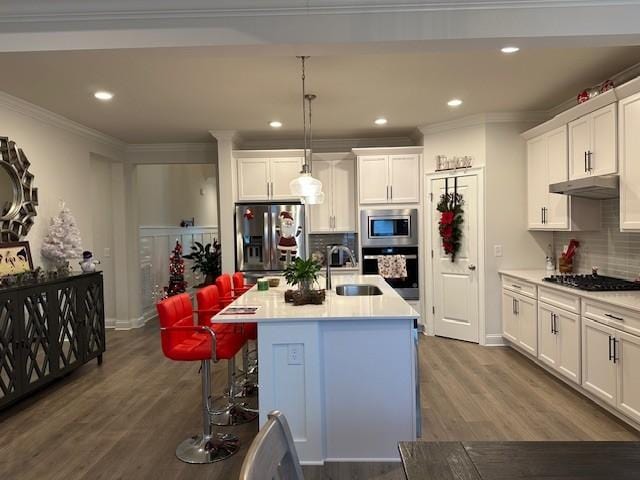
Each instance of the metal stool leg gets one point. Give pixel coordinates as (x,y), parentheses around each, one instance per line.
(232,413)
(207,447)
(247,386)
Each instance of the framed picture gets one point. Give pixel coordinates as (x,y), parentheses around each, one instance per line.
(15,258)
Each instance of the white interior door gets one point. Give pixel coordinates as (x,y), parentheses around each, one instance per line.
(455,284)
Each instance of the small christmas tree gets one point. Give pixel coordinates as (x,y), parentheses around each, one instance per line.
(176,272)
(62,241)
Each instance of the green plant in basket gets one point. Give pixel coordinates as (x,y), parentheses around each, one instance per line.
(303,273)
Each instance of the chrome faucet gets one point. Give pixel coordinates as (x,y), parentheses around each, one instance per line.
(330,250)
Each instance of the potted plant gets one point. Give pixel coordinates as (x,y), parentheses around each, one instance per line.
(206,260)
(303,273)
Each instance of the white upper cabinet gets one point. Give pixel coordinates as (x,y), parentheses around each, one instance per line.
(338,212)
(629,121)
(593,143)
(253,179)
(262,178)
(547,163)
(373,179)
(404,178)
(283,170)
(344,195)
(321,215)
(389,178)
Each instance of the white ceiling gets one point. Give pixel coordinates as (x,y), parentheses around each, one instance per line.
(179,94)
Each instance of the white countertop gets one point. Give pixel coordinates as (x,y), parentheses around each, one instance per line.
(272,306)
(630,300)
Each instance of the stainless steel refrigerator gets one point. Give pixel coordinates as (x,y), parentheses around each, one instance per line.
(268,236)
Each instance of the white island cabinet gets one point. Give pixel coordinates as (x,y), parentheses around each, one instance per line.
(343,373)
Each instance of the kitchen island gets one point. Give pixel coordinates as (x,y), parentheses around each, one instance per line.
(344,373)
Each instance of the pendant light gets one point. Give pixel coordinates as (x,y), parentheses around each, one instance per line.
(308,188)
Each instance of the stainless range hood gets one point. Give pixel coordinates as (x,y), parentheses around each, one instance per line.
(599,187)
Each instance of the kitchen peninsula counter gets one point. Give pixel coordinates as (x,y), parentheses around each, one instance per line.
(344,373)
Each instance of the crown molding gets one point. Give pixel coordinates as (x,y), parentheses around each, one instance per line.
(484,119)
(325,144)
(389,150)
(50,118)
(61,13)
(171,147)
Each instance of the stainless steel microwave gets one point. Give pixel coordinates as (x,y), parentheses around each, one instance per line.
(389,228)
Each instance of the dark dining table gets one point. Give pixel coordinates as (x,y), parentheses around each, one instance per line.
(520,460)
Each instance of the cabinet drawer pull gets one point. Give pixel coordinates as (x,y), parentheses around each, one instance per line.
(615,350)
(585,162)
(516,286)
(589,155)
(610,348)
(614,317)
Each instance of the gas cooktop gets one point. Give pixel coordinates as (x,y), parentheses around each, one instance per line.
(593,283)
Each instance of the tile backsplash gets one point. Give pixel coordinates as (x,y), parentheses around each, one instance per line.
(614,252)
(320,241)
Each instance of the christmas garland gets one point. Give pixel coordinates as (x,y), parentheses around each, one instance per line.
(451,219)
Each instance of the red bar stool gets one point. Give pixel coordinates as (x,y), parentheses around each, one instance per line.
(185,342)
(233,412)
(239,286)
(225,289)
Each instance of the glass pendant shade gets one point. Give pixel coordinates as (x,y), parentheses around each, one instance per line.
(305,186)
(316,199)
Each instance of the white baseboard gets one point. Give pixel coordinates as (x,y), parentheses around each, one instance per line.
(494,340)
(110,322)
(129,324)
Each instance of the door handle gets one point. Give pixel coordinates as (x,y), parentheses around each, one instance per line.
(471,267)
(513,305)
(551,322)
(610,348)
(391,192)
(585,162)
(387,192)
(517,307)
(589,167)
(615,350)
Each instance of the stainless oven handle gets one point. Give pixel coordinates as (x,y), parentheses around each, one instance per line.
(375,257)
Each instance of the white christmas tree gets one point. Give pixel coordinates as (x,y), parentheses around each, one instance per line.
(62,241)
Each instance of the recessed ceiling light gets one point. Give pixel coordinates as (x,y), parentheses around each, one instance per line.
(380,121)
(103,95)
(275,124)
(455,102)
(509,49)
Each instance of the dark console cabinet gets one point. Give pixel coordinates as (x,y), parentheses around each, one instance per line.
(47,330)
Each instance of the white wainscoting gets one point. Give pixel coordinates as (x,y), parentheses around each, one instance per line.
(156,243)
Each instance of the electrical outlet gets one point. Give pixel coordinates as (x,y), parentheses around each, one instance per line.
(107,253)
(295,352)
(497,250)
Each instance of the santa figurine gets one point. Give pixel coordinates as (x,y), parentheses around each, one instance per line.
(287,234)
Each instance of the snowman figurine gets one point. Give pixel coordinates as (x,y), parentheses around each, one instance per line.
(88,263)
(287,234)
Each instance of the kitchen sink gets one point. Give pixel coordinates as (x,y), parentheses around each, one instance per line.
(358,290)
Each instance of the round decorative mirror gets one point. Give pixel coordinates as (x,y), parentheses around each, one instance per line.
(18,197)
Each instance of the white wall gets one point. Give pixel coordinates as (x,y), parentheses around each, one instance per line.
(505,217)
(61,153)
(169,193)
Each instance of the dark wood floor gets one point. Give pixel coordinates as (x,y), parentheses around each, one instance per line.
(124,419)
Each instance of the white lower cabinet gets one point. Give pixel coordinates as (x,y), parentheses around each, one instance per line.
(610,360)
(559,340)
(628,363)
(519,321)
(594,344)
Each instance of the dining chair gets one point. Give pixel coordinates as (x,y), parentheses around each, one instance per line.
(272,454)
